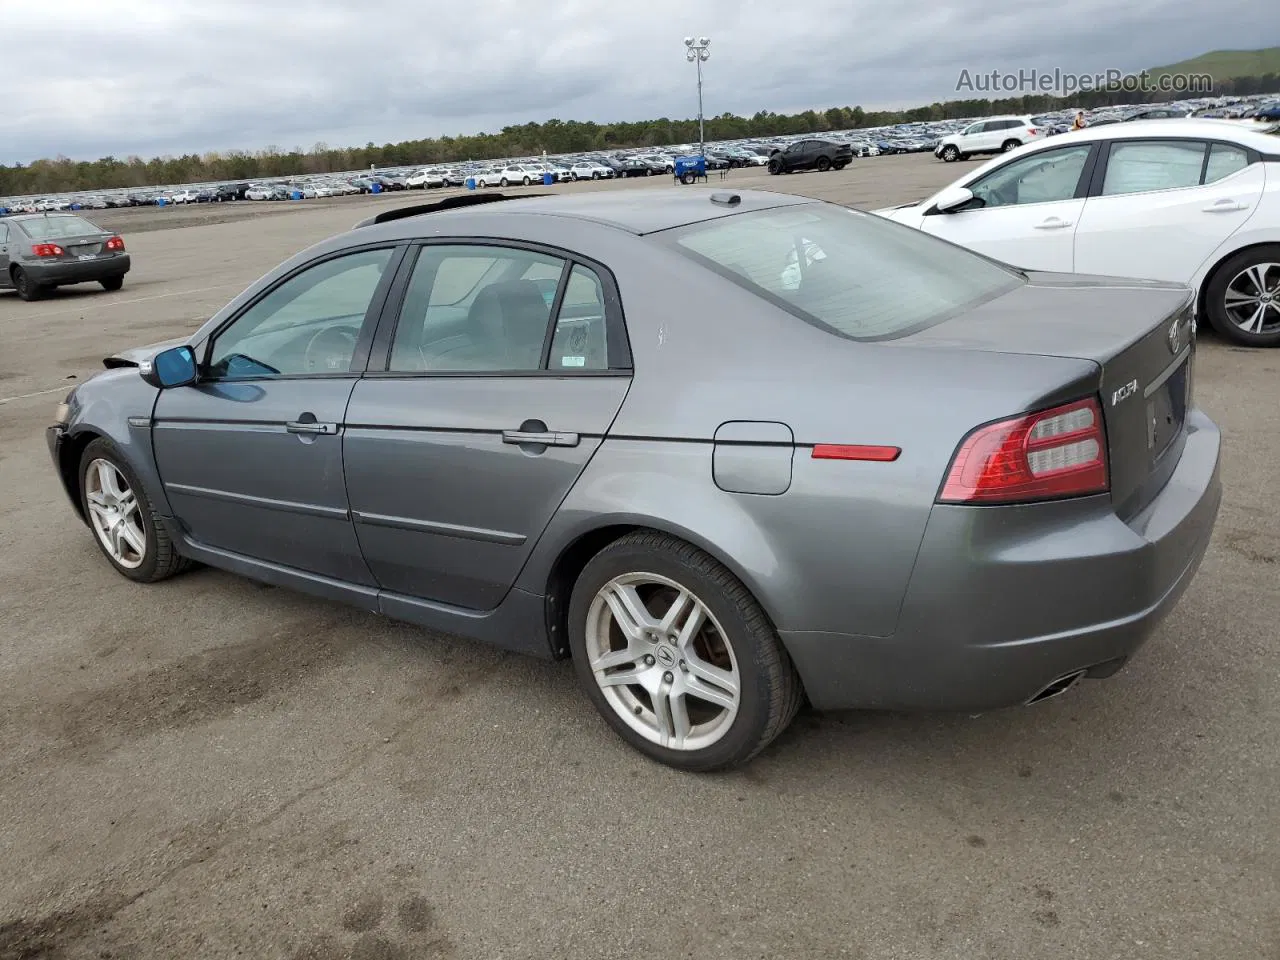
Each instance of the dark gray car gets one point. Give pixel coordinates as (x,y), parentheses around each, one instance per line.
(41,251)
(729,452)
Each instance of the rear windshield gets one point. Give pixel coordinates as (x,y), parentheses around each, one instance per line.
(58,228)
(854,274)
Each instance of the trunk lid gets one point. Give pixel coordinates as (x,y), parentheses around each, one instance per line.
(82,247)
(1141,336)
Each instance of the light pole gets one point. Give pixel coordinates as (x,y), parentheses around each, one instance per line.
(697,52)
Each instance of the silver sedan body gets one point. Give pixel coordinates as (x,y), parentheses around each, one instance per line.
(730,452)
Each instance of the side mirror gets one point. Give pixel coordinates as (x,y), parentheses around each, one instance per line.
(953,199)
(175,367)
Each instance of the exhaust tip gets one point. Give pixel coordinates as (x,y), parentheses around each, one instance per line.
(1058,687)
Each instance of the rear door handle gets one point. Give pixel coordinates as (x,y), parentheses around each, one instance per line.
(1224,206)
(1053,223)
(311,428)
(548,438)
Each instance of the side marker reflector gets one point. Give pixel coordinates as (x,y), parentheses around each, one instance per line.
(847,451)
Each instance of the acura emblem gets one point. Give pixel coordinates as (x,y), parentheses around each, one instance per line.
(1175,337)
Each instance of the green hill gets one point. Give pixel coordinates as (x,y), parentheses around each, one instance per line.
(1227,64)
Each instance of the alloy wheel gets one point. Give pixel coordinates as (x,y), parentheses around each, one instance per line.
(114,513)
(1252,298)
(662,661)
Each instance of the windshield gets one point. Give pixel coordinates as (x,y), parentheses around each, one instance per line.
(854,274)
(57,228)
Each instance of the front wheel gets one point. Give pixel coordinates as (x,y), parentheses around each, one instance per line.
(112,284)
(503,182)
(1243,298)
(678,656)
(125,526)
(775,167)
(950,154)
(527,181)
(595,174)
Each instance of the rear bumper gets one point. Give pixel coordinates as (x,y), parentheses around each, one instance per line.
(1005,600)
(77,271)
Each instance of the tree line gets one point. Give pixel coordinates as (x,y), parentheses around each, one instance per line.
(63,175)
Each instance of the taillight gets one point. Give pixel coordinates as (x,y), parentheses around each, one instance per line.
(1031,130)
(116,244)
(1040,456)
(46,250)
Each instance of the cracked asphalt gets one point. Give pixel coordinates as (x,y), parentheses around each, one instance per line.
(213,768)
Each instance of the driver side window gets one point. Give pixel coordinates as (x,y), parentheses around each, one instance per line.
(1044,177)
(307,325)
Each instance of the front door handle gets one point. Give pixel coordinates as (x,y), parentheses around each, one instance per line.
(1053,223)
(1224,206)
(548,438)
(311,428)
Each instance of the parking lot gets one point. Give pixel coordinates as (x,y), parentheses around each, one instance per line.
(209,767)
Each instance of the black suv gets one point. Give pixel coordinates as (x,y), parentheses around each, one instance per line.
(810,155)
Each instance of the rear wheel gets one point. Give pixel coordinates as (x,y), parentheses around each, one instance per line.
(1011,144)
(111,284)
(1242,300)
(125,526)
(950,153)
(678,656)
(840,165)
(824,164)
(27,289)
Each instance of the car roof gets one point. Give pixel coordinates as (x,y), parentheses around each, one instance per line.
(634,211)
(1180,129)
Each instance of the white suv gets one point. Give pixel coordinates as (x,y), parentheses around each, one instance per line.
(995,135)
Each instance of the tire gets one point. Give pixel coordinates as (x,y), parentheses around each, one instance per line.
(26,289)
(527,181)
(736,644)
(839,166)
(824,164)
(688,179)
(1010,144)
(1238,277)
(112,284)
(159,559)
(950,154)
(775,167)
(595,174)
(503,182)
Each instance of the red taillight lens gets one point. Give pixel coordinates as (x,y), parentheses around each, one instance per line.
(116,244)
(1041,456)
(46,250)
(1031,130)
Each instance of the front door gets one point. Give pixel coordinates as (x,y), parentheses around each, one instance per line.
(251,455)
(1165,207)
(4,254)
(505,372)
(1024,212)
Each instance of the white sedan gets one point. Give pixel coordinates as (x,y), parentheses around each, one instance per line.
(1188,201)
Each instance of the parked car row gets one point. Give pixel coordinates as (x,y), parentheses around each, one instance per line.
(970,137)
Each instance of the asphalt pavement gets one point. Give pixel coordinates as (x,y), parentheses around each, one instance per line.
(213,768)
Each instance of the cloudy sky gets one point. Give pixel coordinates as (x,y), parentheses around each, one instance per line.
(88,78)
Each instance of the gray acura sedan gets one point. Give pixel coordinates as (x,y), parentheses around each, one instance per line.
(729,452)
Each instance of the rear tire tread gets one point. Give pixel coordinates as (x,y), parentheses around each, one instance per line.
(784,684)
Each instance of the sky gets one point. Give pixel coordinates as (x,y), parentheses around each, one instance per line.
(92,78)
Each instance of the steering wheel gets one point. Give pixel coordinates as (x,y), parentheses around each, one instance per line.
(329,351)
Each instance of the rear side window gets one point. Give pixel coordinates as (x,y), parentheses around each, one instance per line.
(1140,167)
(1224,160)
(851,273)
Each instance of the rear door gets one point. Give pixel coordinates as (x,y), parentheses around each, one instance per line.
(1025,210)
(4,253)
(1159,208)
(492,383)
